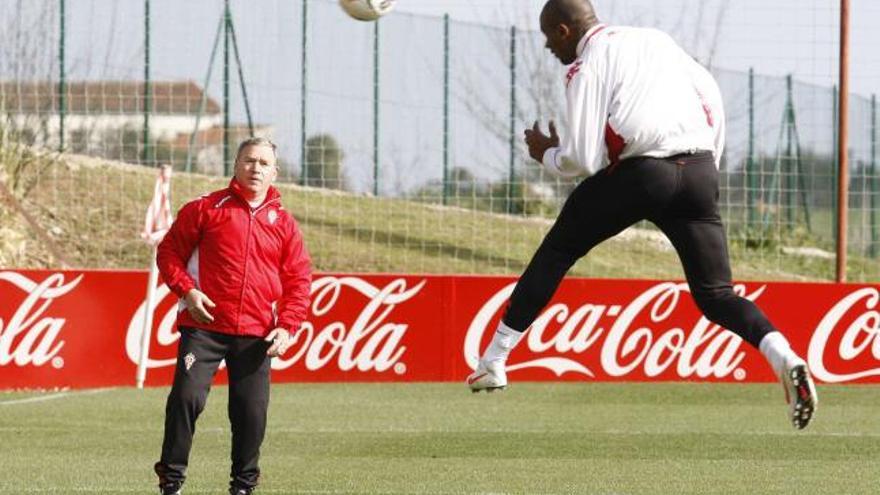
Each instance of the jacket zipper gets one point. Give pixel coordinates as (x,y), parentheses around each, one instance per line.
(247,249)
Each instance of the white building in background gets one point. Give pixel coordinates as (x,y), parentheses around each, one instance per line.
(96,110)
(208,149)
(105,119)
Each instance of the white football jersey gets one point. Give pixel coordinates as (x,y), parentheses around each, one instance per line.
(634,92)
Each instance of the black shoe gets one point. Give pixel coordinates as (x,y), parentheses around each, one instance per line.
(166,486)
(240,491)
(170,488)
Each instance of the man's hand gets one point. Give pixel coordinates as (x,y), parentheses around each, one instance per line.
(281,341)
(196,302)
(539,143)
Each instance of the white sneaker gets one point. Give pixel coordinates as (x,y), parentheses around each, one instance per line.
(489,376)
(800,392)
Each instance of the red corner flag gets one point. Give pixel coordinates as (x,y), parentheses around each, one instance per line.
(156,224)
(158,219)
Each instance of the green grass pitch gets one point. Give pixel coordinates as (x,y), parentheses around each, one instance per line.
(535,438)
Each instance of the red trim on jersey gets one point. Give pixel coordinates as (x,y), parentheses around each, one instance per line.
(576,65)
(594,33)
(572,71)
(706,109)
(614,143)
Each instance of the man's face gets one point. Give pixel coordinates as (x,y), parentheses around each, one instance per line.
(255,169)
(560,38)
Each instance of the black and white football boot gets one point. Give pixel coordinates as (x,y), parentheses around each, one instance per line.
(800,392)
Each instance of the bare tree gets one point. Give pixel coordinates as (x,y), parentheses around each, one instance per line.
(539,87)
(697,25)
(27,50)
(539,95)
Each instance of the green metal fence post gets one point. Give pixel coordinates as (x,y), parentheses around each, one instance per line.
(511,175)
(795,184)
(751,175)
(244,95)
(62,82)
(302,94)
(204,99)
(799,167)
(787,169)
(148,96)
(376,108)
(445,108)
(227,168)
(834,152)
(875,190)
(776,183)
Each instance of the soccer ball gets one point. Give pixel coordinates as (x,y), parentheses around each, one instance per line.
(366,10)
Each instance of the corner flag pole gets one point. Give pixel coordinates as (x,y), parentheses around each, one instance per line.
(149,307)
(156,224)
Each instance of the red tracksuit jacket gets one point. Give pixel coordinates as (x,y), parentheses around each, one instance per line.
(244,261)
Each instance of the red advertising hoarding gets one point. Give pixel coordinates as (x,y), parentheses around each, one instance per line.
(82,329)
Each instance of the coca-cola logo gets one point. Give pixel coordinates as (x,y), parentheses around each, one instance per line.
(369,342)
(625,345)
(862,335)
(166,332)
(364,324)
(30,336)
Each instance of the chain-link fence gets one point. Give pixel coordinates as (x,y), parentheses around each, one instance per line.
(406,133)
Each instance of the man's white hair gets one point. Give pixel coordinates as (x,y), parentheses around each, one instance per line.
(257,141)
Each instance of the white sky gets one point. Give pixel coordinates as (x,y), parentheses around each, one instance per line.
(773,36)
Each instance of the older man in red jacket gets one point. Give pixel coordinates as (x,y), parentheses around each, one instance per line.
(237,261)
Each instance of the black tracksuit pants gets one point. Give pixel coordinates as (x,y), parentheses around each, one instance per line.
(198,356)
(680,196)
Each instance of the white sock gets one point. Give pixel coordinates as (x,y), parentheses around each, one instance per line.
(504,340)
(775,347)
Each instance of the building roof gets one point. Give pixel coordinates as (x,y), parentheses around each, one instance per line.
(213,136)
(104,97)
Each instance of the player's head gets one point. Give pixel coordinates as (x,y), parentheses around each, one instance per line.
(563,23)
(256,165)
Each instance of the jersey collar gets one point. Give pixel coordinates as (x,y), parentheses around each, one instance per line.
(582,44)
(235,189)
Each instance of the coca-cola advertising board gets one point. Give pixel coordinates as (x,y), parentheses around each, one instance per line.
(82,329)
